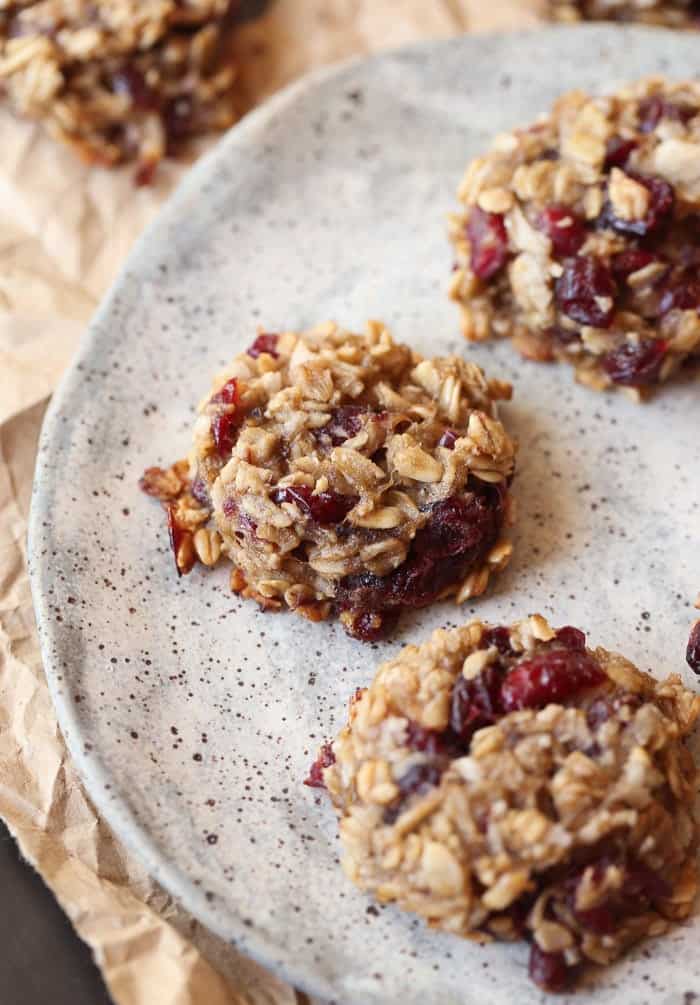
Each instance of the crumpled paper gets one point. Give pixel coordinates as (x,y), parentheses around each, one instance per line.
(66,230)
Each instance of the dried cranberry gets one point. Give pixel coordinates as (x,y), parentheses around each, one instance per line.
(565,229)
(264,343)
(635,364)
(226,395)
(418,779)
(458,534)
(551,675)
(247,523)
(244,521)
(681,292)
(572,638)
(640,887)
(489,242)
(200,490)
(598,712)
(370,626)
(692,653)
(660,205)
(549,970)
(602,919)
(179,118)
(476,703)
(223,426)
(429,741)
(325,758)
(585,292)
(129,82)
(322,507)
(652,110)
(346,422)
(661,201)
(459,531)
(604,708)
(519,911)
(455,525)
(632,260)
(618,152)
(498,637)
(448,439)
(145,172)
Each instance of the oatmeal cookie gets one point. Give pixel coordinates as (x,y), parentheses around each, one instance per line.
(511,783)
(580,236)
(666,13)
(119,80)
(347,475)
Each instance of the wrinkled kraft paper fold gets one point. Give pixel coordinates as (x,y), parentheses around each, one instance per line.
(66,230)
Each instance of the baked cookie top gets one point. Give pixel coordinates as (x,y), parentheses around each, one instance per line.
(510,782)
(580,236)
(347,474)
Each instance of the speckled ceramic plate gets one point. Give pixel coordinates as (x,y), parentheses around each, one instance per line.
(193,716)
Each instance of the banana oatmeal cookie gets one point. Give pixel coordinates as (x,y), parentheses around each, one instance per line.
(667,13)
(345,474)
(510,783)
(119,80)
(580,236)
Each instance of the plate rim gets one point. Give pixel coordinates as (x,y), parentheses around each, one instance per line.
(99,782)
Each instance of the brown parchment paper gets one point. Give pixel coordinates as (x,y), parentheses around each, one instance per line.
(65,231)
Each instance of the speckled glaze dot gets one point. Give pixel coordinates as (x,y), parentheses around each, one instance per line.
(198,715)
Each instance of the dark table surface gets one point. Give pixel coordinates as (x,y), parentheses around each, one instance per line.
(42,961)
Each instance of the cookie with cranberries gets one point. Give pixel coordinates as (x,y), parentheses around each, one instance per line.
(681,14)
(346,475)
(512,782)
(579,237)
